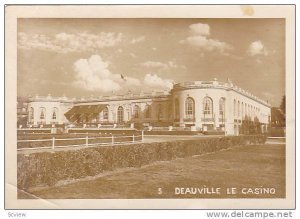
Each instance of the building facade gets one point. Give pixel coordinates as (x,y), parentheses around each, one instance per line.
(196,105)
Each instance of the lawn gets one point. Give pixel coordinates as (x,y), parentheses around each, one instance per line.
(252,166)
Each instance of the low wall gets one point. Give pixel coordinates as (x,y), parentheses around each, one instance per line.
(46,169)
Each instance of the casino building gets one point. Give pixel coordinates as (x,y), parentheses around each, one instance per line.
(196,106)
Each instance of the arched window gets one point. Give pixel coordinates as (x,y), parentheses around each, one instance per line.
(238,109)
(222,107)
(136,112)
(234,107)
(207,106)
(147,111)
(159,111)
(190,108)
(42,113)
(105,113)
(31,114)
(120,114)
(54,113)
(176,108)
(169,110)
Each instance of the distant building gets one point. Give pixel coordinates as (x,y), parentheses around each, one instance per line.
(198,105)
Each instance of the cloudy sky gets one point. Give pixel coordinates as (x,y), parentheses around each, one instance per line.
(91,57)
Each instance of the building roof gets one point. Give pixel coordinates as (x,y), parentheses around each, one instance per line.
(76,111)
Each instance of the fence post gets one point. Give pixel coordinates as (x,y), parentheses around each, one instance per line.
(87,140)
(142,135)
(53,142)
(133,138)
(112,140)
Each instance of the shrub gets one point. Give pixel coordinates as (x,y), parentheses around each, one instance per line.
(49,168)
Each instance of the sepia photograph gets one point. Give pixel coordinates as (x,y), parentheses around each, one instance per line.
(195,108)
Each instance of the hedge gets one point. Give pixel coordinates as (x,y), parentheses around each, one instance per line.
(47,169)
(277,132)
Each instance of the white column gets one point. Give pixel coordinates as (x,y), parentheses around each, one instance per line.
(129,112)
(111,114)
(229,118)
(181,110)
(35,115)
(174,110)
(216,111)
(198,112)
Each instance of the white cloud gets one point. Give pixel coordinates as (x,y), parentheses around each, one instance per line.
(200,40)
(206,44)
(161,65)
(200,29)
(93,75)
(65,42)
(152,64)
(138,40)
(257,48)
(258,60)
(153,80)
(133,55)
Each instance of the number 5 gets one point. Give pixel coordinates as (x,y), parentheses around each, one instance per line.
(159,191)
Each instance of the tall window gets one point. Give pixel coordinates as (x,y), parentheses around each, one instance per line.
(170,110)
(136,112)
(31,114)
(176,107)
(238,109)
(189,108)
(222,107)
(207,106)
(54,113)
(42,113)
(105,113)
(159,111)
(249,110)
(234,107)
(120,114)
(242,109)
(147,111)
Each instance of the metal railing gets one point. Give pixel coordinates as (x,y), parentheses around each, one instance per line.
(86,141)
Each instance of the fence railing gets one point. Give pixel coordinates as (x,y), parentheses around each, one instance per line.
(83,141)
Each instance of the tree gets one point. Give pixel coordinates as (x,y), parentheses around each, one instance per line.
(282,105)
(277,117)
